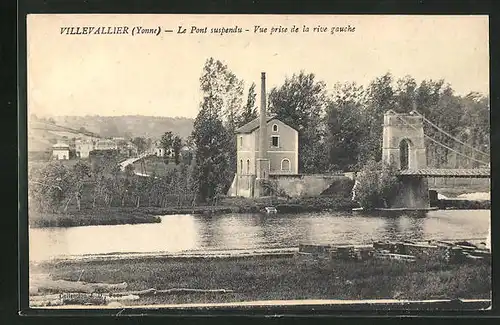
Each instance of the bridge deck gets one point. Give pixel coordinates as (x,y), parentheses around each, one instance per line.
(472,173)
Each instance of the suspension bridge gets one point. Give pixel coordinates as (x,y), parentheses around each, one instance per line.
(404,147)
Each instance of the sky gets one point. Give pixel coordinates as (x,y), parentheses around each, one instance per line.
(154,75)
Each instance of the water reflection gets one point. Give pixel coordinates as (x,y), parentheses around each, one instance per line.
(250,231)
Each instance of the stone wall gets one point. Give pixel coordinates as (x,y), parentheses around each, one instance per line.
(413,195)
(305,185)
(243,185)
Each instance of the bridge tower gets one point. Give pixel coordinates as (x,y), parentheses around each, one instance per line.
(403,141)
(403,146)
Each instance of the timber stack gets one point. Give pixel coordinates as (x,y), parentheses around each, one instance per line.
(439,251)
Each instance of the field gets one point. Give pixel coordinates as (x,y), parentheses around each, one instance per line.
(154,165)
(279,278)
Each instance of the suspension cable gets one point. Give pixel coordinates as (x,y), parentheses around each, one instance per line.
(441,144)
(446,133)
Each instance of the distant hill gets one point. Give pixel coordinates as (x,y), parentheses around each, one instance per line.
(43,134)
(129,126)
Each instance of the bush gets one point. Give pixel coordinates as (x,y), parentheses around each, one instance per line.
(377,185)
(340,187)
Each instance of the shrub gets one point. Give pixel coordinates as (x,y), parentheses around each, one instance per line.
(377,185)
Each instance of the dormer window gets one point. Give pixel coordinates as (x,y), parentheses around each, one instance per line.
(275,127)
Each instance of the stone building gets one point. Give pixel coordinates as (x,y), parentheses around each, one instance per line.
(266,147)
(281,147)
(268,155)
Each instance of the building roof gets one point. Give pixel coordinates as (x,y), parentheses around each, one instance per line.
(253,124)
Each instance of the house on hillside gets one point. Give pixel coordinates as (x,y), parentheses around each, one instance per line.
(105,144)
(185,153)
(159,151)
(83,148)
(60,151)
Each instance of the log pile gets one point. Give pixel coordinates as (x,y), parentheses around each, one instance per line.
(47,292)
(442,251)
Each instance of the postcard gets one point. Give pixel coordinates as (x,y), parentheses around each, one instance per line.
(192,161)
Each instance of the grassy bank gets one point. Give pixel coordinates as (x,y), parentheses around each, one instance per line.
(129,215)
(94,217)
(274,278)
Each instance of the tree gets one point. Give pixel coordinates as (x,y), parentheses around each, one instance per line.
(249,112)
(79,175)
(211,154)
(404,95)
(345,126)
(223,89)
(213,134)
(223,97)
(176,148)
(166,143)
(380,99)
(300,102)
(48,187)
(140,143)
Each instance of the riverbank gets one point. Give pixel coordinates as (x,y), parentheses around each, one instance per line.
(92,217)
(236,279)
(130,215)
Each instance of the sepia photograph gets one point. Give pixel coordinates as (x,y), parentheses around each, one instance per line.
(213,161)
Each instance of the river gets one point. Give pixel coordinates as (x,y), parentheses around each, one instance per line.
(194,233)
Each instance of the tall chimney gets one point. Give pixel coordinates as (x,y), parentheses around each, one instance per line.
(263,142)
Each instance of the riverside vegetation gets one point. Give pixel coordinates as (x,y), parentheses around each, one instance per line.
(98,193)
(339,130)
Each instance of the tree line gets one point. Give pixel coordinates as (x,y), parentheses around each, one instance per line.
(340,129)
(101,184)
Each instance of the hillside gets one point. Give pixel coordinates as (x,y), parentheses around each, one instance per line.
(129,126)
(42,135)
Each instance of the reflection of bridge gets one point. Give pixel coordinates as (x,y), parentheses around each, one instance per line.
(404,147)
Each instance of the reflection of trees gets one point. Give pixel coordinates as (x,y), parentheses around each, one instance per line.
(206,226)
(404,228)
(232,231)
(416,229)
(392,228)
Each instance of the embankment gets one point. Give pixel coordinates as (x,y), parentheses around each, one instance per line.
(129,215)
(277,278)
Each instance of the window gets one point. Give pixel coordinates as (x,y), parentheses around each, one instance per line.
(275,141)
(275,128)
(241,166)
(241,142)
(285,165)
(248,166)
